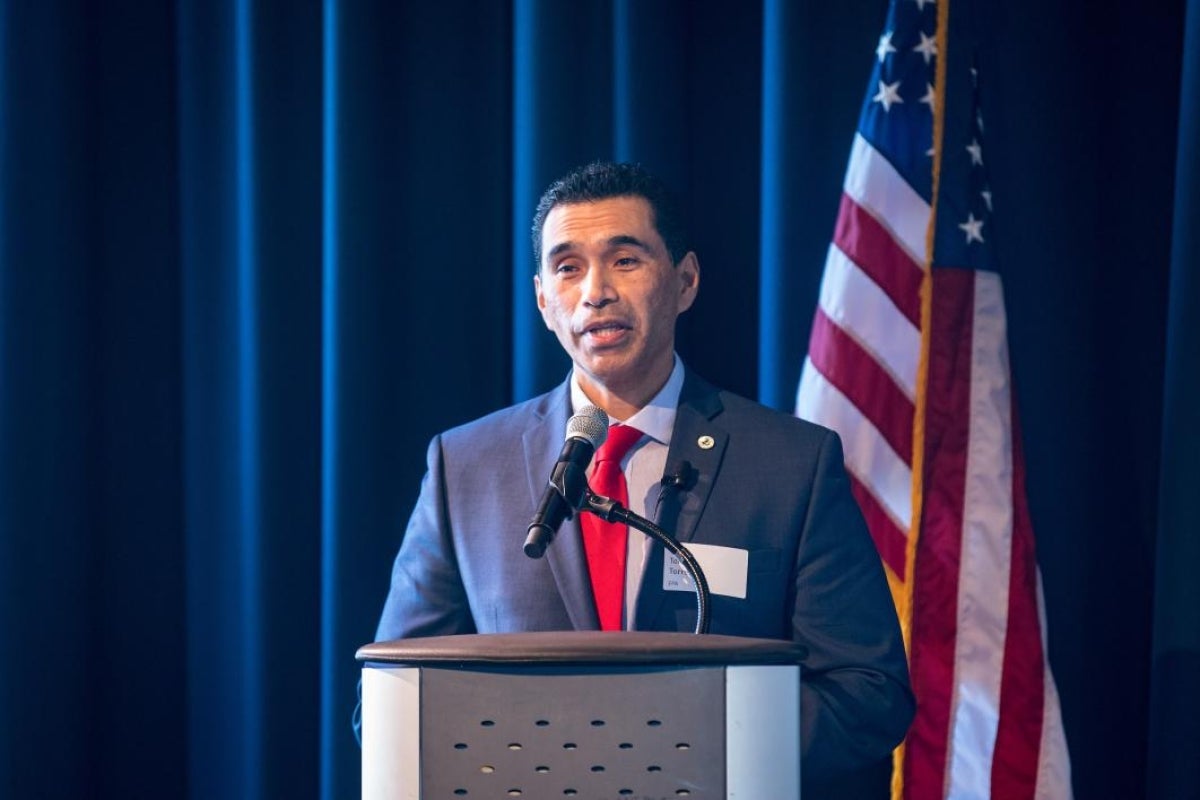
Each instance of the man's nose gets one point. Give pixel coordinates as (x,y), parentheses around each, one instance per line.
(598,290)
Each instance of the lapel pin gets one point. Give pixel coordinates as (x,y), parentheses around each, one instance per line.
(705,442)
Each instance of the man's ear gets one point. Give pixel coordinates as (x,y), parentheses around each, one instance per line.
(688,273)
(541,298)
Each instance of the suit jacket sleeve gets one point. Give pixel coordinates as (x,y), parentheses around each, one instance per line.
(426,596)
(855,699)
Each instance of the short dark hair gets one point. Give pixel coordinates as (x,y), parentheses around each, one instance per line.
(601,180)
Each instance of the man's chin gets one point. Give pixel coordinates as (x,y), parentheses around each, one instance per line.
(608,371)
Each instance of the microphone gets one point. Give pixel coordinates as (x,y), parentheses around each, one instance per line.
(681,477)
(586,431)
(678,478)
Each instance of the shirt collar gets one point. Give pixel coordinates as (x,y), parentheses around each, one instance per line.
(657,418)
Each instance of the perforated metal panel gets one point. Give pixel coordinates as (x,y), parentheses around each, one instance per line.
(612,734)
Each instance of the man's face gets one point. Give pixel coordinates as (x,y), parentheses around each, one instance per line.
(607,288)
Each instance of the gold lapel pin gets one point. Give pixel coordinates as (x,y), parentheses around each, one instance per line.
(705,442)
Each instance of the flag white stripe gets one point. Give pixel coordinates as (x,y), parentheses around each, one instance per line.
(1054,762)
(985,560)
(863,310)
(868,455)
(873,183)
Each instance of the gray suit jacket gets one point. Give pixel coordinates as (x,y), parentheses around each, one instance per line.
(770,484)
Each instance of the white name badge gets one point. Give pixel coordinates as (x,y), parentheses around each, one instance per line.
(725,569)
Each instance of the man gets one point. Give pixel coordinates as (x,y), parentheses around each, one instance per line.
(767,493)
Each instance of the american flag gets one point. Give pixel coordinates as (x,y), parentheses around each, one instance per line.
(908,361)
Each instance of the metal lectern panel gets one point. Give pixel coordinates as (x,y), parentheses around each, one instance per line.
(641,734)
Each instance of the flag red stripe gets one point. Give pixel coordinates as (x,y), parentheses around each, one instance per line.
(939,548)
(873,248)
(856,374)
(1022,683)
(890,540)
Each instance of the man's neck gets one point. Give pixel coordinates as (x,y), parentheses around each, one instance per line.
(616,403)
(620,403)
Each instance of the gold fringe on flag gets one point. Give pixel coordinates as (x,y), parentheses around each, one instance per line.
(904,598)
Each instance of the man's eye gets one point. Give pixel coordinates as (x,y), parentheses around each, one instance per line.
(627,261)
(566,268)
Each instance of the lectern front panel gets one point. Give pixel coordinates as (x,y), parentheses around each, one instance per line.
(547,733)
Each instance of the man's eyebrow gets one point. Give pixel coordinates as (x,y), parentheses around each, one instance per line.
(620,240)
(561,247)
(632,241)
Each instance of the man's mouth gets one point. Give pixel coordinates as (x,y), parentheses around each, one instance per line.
(606,332)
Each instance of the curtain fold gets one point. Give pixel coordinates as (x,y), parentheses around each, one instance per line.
(416,300)
(804,145)
(1175,661)
(82,302)
(651,62)
(44,511)
(255,254)
(249,245)
(562,117)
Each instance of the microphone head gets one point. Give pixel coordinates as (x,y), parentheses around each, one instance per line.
(590,424)
(679,476)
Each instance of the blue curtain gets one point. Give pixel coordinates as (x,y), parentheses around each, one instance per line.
(1175,662)
(253,254)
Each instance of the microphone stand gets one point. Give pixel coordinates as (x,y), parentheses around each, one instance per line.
(610,510)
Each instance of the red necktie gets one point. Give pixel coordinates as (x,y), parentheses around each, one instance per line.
(605,542)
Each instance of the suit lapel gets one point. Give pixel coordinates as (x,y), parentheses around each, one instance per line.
(568,562)
(700,443)
(698,440)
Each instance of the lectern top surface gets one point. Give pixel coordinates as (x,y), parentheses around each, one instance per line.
(584,647)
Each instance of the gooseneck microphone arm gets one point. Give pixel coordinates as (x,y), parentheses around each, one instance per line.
(610,510)
(567,491)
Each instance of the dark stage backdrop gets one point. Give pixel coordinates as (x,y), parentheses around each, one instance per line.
(254,254)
